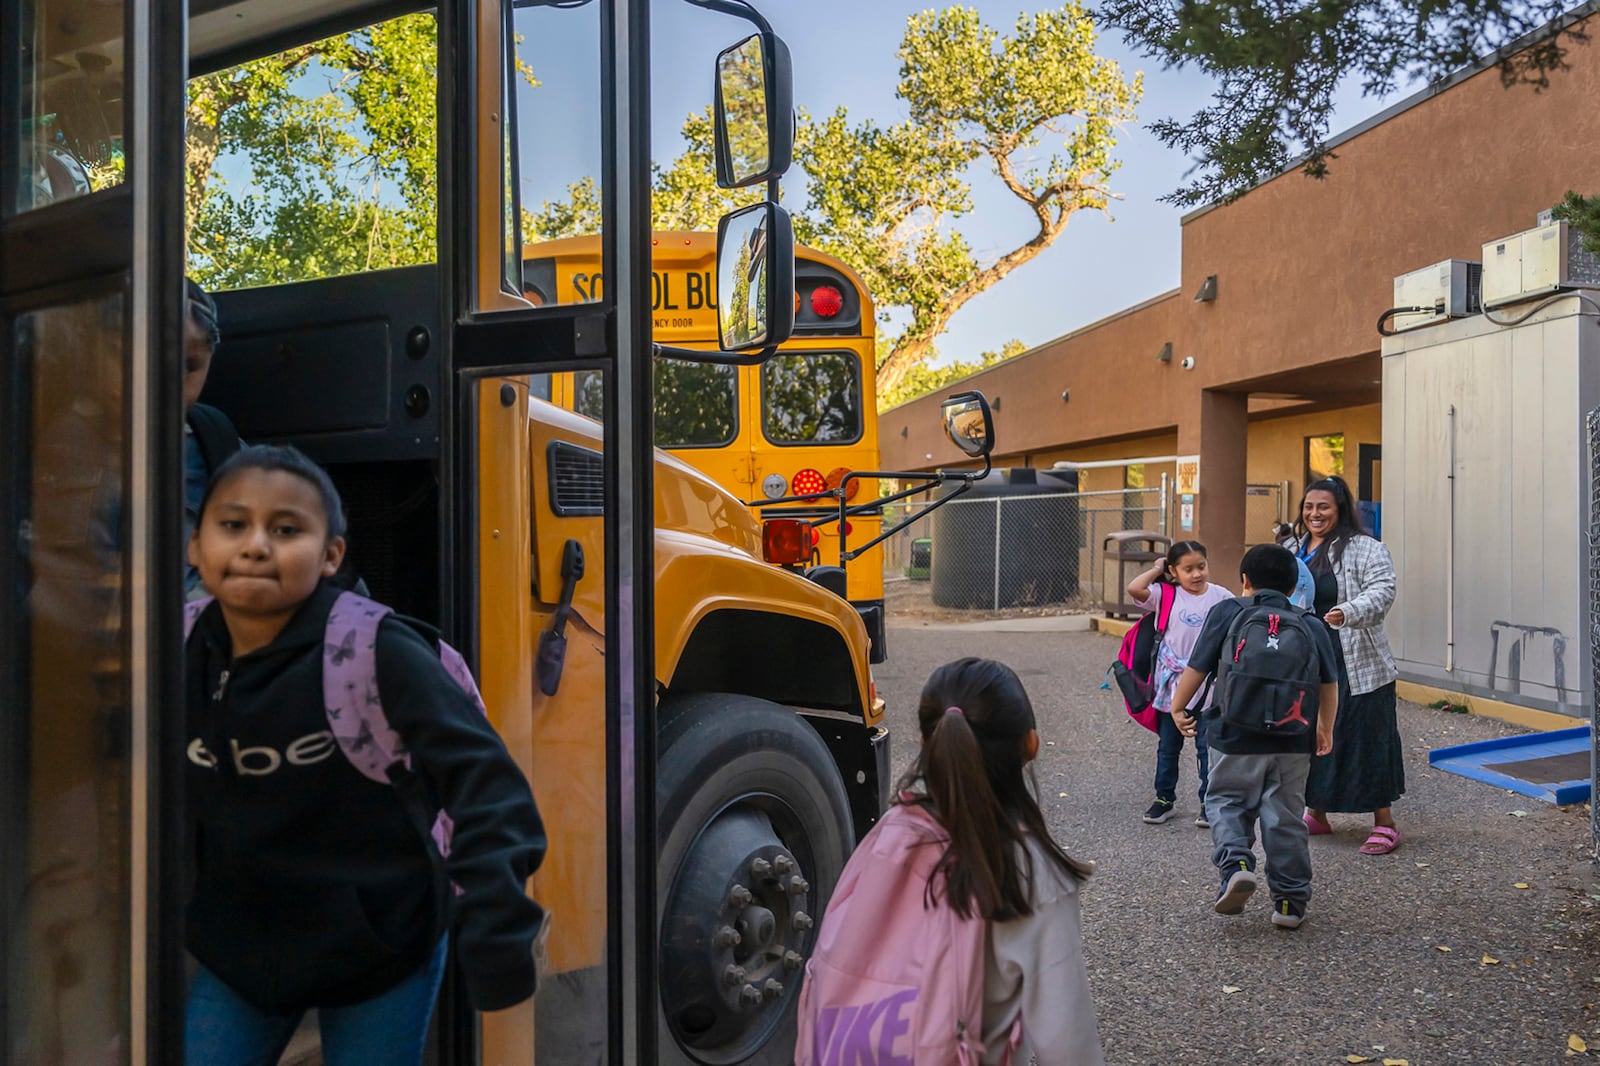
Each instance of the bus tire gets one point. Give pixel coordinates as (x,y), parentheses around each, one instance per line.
(754,828)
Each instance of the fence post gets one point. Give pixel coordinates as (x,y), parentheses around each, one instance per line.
(996,606)
(1166,531)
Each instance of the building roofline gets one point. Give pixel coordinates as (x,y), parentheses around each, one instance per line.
(1097,324)
(1555,25)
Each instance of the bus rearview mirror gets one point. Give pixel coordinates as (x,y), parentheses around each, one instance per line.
(755,278)
(967,421)
(754,111)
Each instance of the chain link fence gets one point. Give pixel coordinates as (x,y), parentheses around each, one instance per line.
(1264,509)
(995,552)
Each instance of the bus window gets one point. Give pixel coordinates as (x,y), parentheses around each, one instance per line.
(70,102)
(696,404)
(811,398)
(71,784)
(558,139)
(316,162)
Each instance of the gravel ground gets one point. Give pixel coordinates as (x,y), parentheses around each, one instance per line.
(1393,960)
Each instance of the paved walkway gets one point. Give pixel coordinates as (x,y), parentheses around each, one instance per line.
(1392,962)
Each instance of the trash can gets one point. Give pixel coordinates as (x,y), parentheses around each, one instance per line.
(1127,554)
(921,559)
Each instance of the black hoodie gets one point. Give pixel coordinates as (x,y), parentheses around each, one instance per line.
(318,887)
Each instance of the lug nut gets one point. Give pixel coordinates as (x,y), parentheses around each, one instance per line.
(760,868)
(771,990)
(733,976)
(798,886)
(739,896)
(792,960)
(782,865)
(750,995)
(726,937)
(802,920)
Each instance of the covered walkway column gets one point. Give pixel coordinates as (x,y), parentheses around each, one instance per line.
(1220,436)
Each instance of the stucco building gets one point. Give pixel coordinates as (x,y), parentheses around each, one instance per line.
(1284,373)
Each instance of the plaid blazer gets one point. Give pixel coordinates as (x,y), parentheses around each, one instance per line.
(1366,579)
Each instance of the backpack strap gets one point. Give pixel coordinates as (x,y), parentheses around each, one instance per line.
(350,688)
(214,432)
(191,614)
(1169,596)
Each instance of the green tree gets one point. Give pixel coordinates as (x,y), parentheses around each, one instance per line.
(340,141)
(1278,62)
(888,199)
(927,377)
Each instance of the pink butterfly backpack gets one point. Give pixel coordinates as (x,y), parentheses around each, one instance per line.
(350,691)
(897,975)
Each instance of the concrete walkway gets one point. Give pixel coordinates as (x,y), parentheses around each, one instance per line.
(1473,943)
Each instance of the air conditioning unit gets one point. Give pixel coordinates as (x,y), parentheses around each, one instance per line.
(1536,262)
(1449,289)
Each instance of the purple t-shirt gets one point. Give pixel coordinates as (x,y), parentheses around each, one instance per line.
(1183,630)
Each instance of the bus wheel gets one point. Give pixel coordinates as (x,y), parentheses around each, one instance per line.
(754,830)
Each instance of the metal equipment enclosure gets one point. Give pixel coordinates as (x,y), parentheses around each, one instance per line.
(1484,450)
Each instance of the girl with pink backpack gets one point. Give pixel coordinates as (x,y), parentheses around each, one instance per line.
(1178,587)
(953,936)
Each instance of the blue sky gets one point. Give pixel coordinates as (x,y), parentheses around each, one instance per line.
(844,54)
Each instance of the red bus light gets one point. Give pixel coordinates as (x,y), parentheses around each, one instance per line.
(786,541)
(826,301)
(808,483)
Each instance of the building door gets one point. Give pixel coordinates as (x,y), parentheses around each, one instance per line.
(1369,487)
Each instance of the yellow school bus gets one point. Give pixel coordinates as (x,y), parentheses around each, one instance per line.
(700,727)
(795,424)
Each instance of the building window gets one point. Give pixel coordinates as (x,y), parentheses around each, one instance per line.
(1324,457)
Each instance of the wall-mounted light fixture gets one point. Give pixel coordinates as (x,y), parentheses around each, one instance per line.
(1066,394)
(994,404)
(1208,290)
(1165,354)
(905,431)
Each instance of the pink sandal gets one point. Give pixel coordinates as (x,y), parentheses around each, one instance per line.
(1316,828)
(1384,839)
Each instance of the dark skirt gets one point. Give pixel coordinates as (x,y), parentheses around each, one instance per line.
(1366,769)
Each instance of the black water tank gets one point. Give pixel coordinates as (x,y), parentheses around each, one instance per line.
(1039,538)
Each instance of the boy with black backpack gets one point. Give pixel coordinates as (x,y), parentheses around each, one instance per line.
(1277,694)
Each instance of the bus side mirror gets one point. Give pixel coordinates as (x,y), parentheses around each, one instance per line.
(754,111)
(967,421)
(755,278)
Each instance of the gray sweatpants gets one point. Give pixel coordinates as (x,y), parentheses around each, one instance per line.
(1271,788)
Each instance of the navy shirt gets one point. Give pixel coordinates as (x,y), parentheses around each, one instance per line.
(1207,656)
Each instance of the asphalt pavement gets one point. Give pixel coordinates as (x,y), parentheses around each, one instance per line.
(1475,942)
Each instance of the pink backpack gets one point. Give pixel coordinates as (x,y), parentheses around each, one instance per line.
(894,979)
(1135,668)
(350,691)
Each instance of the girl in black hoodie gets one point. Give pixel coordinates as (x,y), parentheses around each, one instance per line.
(315,886)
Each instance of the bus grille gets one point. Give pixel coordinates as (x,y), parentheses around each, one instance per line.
(577,480)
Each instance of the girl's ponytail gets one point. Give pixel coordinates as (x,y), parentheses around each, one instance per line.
(957,781)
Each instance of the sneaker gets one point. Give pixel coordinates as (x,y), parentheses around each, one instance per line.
(1236,889)
(1288,913)
(1159,812)
(1201,822)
